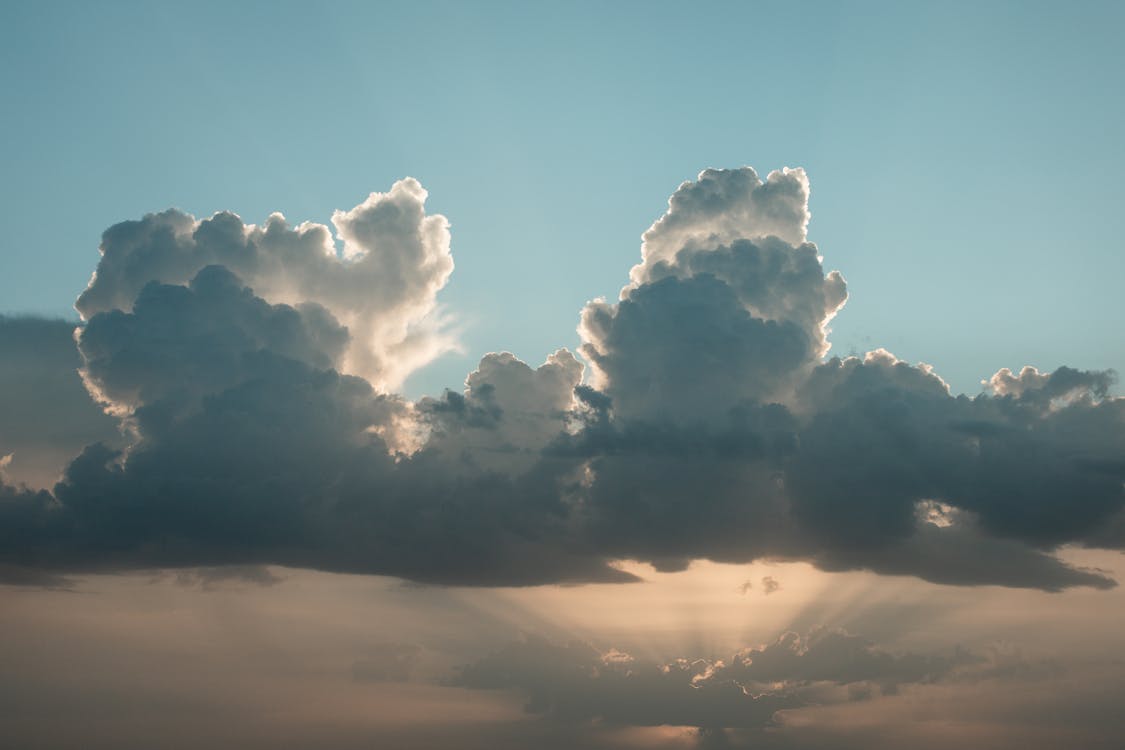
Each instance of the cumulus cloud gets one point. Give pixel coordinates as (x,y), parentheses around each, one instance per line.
(46,416)
(688,350)
(892,435)
(1050,389)
(507,414)
(382,285)
(249,449)
(724,205)
(729,303)
(252,368)
(180,343)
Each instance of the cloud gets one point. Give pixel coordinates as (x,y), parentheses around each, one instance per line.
(507,414)
(1078,708)
(252,368)
(382,285)
(1047,389)
(210,579)
(180,343)
(387,662)
(249,449)
(688,350)
(48,417)
(891,435)
(15,575)
(724,205)
(577,682)
(838,657)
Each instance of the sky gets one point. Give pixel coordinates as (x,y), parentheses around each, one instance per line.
(631,375)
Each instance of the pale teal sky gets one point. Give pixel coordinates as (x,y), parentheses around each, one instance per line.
(964,158)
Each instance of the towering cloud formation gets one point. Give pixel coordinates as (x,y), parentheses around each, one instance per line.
(253,368)
(382,286)
(725,205)
(729,304)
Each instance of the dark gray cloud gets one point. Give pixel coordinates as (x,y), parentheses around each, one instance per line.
(46,415)
(835,656)
(688,350)
(1007,468)
(212,578)
(267,458)
(248,451)
(578,682)
(181,343)
(711,426)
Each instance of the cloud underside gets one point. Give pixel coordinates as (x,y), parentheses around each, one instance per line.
(250,373)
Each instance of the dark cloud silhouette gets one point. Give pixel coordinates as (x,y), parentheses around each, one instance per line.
(247,454)
(249,367)
(46,415)
(688,350)
(577,682)
(180,343)
(16,575)
(836,656)
(213,578)
(1007,468)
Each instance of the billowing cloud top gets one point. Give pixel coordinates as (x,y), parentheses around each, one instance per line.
(724,205)
(252,371)
(383,284)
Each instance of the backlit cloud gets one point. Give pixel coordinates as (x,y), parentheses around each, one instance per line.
(382,284)
(253,369)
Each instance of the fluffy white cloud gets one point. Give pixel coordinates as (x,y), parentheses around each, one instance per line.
(382,286)
(507,414)
(724,205)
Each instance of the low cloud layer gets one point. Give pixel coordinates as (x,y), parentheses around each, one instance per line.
(252,370)
(577,682)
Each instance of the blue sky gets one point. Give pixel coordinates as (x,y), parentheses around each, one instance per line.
(964,158)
